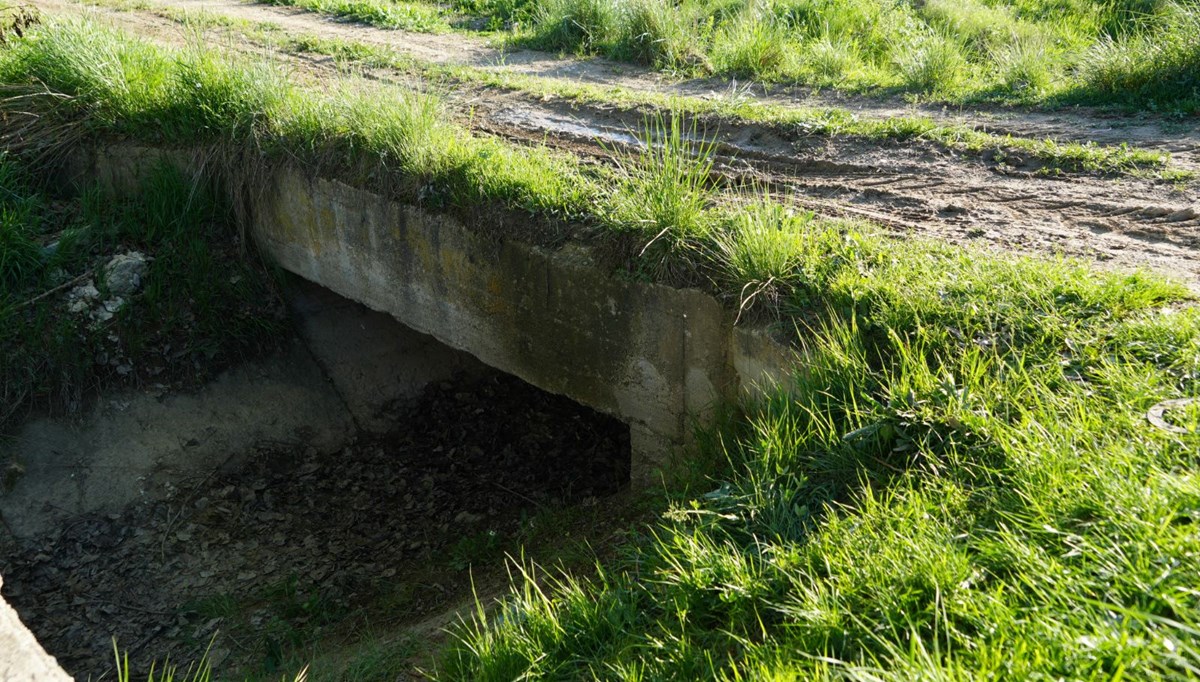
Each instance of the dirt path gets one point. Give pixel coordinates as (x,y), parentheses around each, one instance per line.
(914,188)
(1181,138)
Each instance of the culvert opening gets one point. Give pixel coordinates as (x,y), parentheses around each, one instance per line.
(530,444)
(266,560)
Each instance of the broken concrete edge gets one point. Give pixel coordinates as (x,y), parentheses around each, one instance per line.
(659,358)
(22,659)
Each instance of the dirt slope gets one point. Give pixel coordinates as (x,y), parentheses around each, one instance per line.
(920,188)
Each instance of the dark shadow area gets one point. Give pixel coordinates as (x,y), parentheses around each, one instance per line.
(265,561)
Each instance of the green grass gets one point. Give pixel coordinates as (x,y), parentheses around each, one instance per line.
(1139,54)
(666,190)
(1052,156)
(1157,68)
(1029,52)
(958,483)
(410,16)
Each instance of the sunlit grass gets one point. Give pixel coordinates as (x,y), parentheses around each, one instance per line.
(1135,54)
(410,16)
(958,482)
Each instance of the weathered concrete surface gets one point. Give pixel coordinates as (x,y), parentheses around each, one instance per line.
(657,357)
(371,359)
(22,659)
(132,446)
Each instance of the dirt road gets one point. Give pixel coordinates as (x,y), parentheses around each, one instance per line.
(920,188)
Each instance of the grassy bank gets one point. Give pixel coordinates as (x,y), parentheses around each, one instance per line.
(1050,156)
(1054,156)
(1143,54)
(959,483)
(201,305)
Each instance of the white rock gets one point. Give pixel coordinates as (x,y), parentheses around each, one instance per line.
(80,298)
(124,273)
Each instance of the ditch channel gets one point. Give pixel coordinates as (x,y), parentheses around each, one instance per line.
(258,556)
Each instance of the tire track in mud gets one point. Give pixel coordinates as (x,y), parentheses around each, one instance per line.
(1128,222)
(1181,138)
(911,188)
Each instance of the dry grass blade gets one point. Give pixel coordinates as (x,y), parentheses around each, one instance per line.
(35,125)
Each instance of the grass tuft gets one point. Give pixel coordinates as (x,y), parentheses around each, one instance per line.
(930,63)
(409,16)
(1155,68)
(665,190)
(573,25)
(753,46)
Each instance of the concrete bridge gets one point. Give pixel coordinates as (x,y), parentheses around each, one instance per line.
(658,358)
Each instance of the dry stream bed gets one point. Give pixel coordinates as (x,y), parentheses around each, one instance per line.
(295,545)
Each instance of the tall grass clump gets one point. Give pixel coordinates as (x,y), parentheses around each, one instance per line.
(979,27)
(660,34)
(930,62)
(665,190)
(573,25)
(1026,66)
(752,46)
(116,83)
(1157,68)
(765,251)
(829,60)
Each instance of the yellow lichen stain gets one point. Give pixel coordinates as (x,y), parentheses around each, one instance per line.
(497,302)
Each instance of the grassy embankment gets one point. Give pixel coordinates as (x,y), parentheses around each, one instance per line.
(1052,157)
(960,483)
(1143,54)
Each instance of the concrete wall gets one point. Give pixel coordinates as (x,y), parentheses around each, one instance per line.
(657,357)
(22,659)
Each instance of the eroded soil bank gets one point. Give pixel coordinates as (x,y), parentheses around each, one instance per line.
(300,545)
